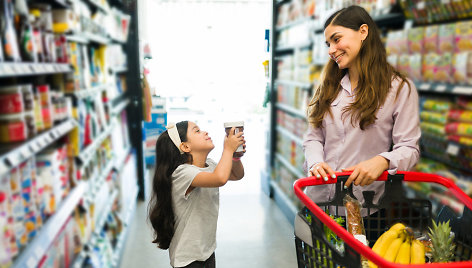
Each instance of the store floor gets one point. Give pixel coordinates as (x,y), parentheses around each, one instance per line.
(252,231)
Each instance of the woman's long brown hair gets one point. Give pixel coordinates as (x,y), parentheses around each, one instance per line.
(375,74)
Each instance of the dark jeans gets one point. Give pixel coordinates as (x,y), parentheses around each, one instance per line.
(209,263)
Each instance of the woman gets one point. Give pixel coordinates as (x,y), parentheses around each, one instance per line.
(362,106)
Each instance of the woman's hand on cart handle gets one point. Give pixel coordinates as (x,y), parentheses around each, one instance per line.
(322,170)
(366,172)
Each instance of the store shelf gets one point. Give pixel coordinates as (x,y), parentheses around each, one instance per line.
(98,182)
(94,4)
(281,2)
(283,202)
(98,227)
(31,256)
(119,69)
(297,173)
(290,48)
(120,162)
(290,135)
(303,85)
(90,92)
(290,110)
(14,69)
(122,238)
(14,154)
(295,23)
(86,155)
(441,88)
(118,108)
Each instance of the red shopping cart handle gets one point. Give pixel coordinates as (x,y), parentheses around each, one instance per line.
(354,243)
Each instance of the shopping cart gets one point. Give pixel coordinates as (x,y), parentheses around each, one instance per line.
(314,249)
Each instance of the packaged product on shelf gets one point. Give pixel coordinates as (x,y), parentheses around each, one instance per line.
(8,229)
(13,128)
(435,105)
(446,37)
(18,211)
(45,105)
(462,68)
(461,129)
(37,34)
(391,43)
(5,254)
(52,171)
(24,32)
(465,103)
(432,117)
(463,36)
(65,20)
(11,100)
(415,40)
(28,100)
(415,61)
(460,115)
(430,61)
(431,128)
(444,68)
(431,39)
(47,36)
(28,202)
(61,49)
(393,60)
(404,63)
(8,34)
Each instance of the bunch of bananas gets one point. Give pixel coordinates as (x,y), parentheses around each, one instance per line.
(397,245)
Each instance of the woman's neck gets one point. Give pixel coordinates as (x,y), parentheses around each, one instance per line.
(353,77)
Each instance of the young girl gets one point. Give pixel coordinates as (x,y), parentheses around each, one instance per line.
(362,106)
(183,210)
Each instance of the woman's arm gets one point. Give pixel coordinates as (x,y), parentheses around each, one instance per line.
(313,147)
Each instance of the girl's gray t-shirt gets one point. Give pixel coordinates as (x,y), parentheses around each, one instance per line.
(196,215)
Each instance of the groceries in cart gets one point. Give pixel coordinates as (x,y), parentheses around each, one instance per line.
(395,231)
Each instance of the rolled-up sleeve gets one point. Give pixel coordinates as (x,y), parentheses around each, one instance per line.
(406,131)
(313,143)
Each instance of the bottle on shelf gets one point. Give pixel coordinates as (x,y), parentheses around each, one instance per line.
(8,34)
(24,31)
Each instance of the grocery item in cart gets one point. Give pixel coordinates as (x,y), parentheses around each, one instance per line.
(314,250)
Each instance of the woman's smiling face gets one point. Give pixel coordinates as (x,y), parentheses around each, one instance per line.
(344,44)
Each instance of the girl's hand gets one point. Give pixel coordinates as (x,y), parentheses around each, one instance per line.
(366,172)
(232,141)
(322,170)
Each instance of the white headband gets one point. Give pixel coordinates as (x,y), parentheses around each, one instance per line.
(174,135)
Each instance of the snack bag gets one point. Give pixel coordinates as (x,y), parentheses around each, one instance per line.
(446,37)
(463,37)
(415,67)
(430,61)
(431,39)
(443,69)
(415,40)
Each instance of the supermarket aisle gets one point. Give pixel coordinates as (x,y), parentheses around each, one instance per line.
(252,231)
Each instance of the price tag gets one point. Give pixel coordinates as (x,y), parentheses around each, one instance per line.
(441,88)
(8,69)
(31,263)
(39,252)
(453,149)
(3,168)
(425,86)
(25,153)
(421,5)
(462,90)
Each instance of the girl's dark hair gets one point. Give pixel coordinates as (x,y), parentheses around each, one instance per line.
(372,89)
(160,208)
